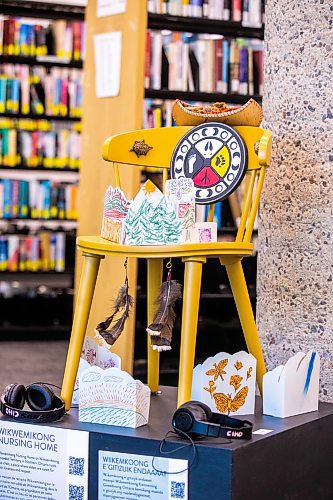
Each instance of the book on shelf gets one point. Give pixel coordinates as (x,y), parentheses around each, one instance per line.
(157,113)
(203,63)
(40,251)
(42,37)
(39,143)
(247,12)
(36,90)
(37,199)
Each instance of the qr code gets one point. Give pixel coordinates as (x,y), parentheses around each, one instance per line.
(177,490)
(76,492)
(76,466)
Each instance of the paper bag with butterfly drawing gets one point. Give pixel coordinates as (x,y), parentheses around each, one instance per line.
(226,383)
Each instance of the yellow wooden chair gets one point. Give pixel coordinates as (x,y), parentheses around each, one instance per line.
(119,149)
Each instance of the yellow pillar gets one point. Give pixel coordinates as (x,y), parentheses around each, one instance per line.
(154,280)
(191,298)
(81,315)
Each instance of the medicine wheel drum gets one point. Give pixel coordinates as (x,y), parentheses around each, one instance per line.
(215,157)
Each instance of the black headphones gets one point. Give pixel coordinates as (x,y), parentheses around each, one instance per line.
(45,405)
(195,417)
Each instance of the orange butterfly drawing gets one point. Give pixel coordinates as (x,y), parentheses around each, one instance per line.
(218,370)
(224,402)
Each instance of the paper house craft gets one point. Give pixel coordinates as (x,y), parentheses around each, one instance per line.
(98,353)
(226,383)
(150,220)
(112,397)
(116,207)
(83,365)
(293,388)
(180,193)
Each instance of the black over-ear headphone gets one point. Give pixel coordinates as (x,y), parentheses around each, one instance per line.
(45,405)
(195,417)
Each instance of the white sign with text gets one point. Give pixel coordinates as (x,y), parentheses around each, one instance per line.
(127,476)
(110,7)
(42,462)
(107,47)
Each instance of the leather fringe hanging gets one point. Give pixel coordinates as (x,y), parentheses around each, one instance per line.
(123,302)
(161,328)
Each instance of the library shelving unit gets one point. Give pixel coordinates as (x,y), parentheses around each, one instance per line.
(46,61)
(32,116)
(104,117)
(44,298)
(201,26)
(198,96)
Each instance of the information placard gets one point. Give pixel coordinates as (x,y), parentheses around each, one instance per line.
(127,476)
(110,7)
(42,462)
(107,48)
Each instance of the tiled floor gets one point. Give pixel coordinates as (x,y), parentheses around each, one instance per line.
(33,361)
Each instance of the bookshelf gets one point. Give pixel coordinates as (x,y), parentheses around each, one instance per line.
(202,25)
(39,279)
(31,116)
(46,61)
(46,10)
(39,169)
(166,94)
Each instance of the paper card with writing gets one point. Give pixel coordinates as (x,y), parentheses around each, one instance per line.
(116,207)
(293,388)
(226,383)
(180,193)
(113,397)
(204,232)
(150,220)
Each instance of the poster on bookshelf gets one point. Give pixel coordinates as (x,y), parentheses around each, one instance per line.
(107,49)
(110,7)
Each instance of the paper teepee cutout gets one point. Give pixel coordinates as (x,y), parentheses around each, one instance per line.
(150,220)
(116,207)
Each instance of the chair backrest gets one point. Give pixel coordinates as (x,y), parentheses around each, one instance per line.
(154,148)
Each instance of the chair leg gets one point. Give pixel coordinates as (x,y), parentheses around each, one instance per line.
(191,298)
(244,308)
(81,315)
(154,280)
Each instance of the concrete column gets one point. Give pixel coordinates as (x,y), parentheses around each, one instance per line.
(295,287)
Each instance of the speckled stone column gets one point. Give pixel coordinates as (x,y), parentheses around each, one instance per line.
(295,287)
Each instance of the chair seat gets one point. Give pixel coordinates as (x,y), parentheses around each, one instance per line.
(99,246)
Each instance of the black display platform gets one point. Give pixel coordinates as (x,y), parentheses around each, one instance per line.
(292,462)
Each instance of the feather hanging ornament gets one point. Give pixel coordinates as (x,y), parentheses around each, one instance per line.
(123,303)
(161,328)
